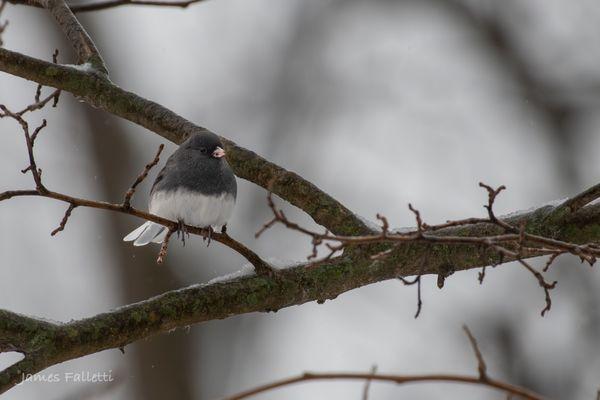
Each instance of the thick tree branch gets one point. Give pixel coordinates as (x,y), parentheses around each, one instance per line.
(577,202)
(82,44)
(292,286)
(80,41)
(103,5)
(101,92)
(438,250)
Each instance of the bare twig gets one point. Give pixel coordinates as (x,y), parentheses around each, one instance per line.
(37,131)
(103,5)
(416,281)
(260,265)
(481,366)
(397,379)
(36,173)
(481,275)
(164,246)
(63,222)
(141,177)
(365,395)
(482,379)
(4,24)
(514,243)
(107,4)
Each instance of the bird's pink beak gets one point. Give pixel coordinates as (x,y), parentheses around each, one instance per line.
(218,153)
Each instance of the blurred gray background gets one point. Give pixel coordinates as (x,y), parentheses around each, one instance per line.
(380,103)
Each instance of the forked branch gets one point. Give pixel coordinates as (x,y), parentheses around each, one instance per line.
(482,379)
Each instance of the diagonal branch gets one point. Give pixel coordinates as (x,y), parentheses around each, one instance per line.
(79,39)
(577,202)
(103,5)
(101,92)
(292,286)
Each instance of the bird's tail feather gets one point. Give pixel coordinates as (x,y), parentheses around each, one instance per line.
(146,233)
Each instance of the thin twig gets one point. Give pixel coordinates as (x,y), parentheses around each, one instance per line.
(4,24)
(261,266)
(397,379)
(63,222)
(365,395)
(103,5)
(141,177)
(35,172)
(162,254)
(416,281)
(514,242)
(481,366)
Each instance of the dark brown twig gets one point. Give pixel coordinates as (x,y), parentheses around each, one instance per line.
(141,177)
(551,260)
(367,387)
(39,103)
(162,254)
(103,5)
(481,366)
(481,275)
(482,379)
(397,379)
(4,24)
(514,243)
(63,222)
(416,281)
(35,172)
(260,265)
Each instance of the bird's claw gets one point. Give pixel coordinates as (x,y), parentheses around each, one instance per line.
(207,235)
(181,229)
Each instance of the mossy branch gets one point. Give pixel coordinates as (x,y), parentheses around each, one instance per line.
(97,90)
(45,343)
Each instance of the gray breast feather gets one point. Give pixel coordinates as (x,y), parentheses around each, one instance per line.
(192,207)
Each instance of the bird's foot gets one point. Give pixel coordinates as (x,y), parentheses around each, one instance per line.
(182,230)
(207,235)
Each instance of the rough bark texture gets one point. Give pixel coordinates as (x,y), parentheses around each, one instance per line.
(46,343)
(54,343)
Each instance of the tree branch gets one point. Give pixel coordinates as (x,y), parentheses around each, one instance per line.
(260,265)
(100,92)
(483,379)
(577,202)
(455,246)
(291,286)
(103,5)
(80,41)
(125,207)
(397,379)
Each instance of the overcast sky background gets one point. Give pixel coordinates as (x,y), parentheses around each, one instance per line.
(379,103)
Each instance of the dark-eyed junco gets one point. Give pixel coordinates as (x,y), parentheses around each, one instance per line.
(196,187)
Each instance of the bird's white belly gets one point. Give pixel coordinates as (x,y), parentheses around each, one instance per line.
(192,208)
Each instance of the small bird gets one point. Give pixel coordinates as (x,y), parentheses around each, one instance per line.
(196,187)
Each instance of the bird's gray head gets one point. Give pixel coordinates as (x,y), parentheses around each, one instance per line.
(205,145)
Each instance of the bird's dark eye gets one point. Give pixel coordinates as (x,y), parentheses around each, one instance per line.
(203,150)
